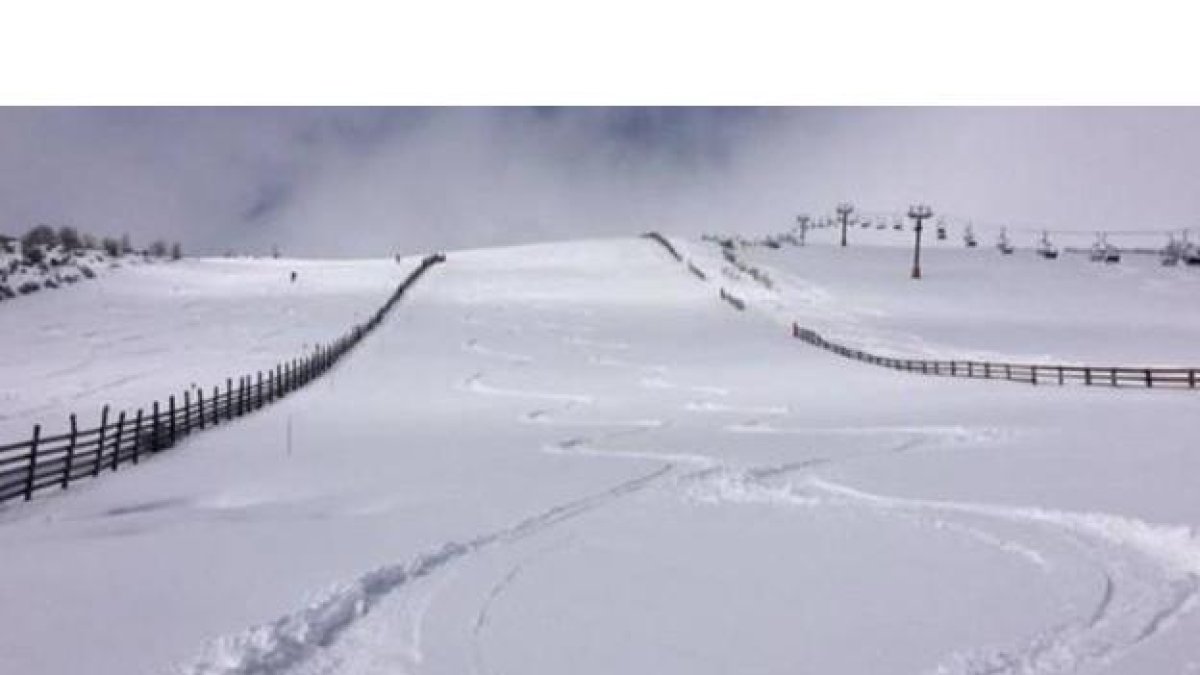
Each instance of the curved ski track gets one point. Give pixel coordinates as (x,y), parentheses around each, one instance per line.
(1149,574)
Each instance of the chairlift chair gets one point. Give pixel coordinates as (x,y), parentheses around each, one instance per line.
(1099,249)
(1191,256)
(1046,249)
(969,237)
(1189,252)
(1003,244)
(941,230)
(1170,254)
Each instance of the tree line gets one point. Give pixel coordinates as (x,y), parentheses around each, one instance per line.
(42,238)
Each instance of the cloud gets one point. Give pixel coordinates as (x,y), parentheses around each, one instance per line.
(373,181)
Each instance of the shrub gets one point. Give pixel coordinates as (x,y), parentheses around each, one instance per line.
(87,272)
(29,287)
(69,239)
(42,236)
(6,291)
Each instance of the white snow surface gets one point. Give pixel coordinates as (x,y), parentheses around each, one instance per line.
(144,332)
(575,457)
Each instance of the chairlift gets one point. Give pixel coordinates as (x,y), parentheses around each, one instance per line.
(1045,248)
(881,224)
(1191,255)
(969,237)
(897,225)
(1099,250)
(1189,252)
(941,230)
(1002,244)
(1170,255)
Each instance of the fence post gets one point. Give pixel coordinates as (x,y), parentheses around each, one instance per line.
(1192,378)
(1149,378)
(187,413)
(270,385)
(171,407)
(228,398)
(100,441)
(154,430)
(66,481)
(137,435)
(987,370)
(117,447)
(216,405)
(1087,375)
(1060,375)
(259,389)
(200,405)
(1033,375)
(1114,377)
(1008,371)
(33,448)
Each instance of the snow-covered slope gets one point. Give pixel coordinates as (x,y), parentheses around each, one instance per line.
(576,458)
(978,303)
(136,336)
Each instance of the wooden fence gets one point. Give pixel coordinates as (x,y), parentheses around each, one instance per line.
(57,460)
(1030,373)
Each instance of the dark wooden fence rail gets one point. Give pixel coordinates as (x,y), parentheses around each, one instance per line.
(1030,373)
(55,461)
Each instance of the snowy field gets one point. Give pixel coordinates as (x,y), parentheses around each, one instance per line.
(576,458)
(144,332)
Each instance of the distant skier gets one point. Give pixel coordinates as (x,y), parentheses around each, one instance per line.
(293,276)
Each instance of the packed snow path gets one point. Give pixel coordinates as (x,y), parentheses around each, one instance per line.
(574,458)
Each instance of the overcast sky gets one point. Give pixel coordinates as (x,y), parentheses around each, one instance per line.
(353,181)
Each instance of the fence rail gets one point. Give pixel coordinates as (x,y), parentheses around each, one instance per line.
(1030,373)
(56,461)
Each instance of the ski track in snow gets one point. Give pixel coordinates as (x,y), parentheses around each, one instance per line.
(662,383)
(1150,573)
(476,384)
(713,407)
(287,642)
(510,357)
